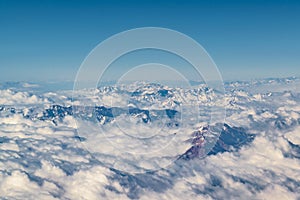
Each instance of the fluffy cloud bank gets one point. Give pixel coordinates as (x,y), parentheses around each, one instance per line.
(46,158)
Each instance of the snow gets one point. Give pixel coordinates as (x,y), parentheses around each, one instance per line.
(68,156)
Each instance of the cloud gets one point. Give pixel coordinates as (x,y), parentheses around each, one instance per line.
(40,159)
(294,136)
(10,97)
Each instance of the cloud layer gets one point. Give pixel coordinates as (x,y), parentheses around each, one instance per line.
(47,158)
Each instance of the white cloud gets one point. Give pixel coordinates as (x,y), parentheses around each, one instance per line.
(294,136)
(10,97)
(41,160)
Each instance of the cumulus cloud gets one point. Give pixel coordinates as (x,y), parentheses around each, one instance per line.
(47,157)
(10,97)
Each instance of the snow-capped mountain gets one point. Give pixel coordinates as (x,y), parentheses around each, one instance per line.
(144,139)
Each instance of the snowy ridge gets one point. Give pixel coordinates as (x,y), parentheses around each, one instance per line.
(43,152)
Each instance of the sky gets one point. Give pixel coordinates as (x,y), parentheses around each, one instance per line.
(48,40)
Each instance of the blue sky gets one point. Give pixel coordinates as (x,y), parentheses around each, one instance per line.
(48,40)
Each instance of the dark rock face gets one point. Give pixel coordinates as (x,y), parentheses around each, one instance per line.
(163,92)
(102,114)
(57,111)
(230,139)
(198,141)
(192,153)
